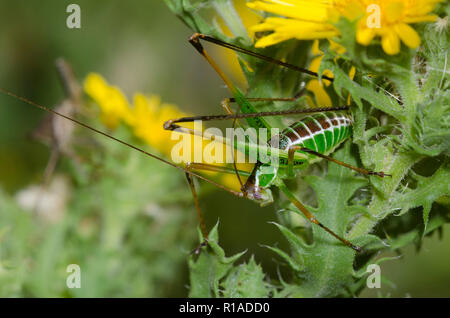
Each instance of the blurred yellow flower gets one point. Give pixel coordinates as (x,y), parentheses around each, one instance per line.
(112,102)
(313,19)
(149,116)
(146,119)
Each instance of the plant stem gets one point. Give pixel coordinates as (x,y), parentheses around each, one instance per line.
(227,12)
(380,206)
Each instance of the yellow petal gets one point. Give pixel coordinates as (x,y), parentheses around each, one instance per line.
(321,96)
(113,104)
(315,64)
(336,47)
(354,9)
(309,11)
(315,48)
(393,11)
(365,35)
(330,75)
(271,39)
(390,43)
(408,35)
(424,18)
(352,73)
(95,85)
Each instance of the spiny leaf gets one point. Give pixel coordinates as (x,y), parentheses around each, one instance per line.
(328,265)
(376,99)
(299,246)
(209,268)
(295,266)
(246,280)
(427,191)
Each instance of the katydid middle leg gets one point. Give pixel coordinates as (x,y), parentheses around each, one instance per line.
(170,124)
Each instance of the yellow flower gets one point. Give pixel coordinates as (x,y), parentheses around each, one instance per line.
(146,119)
(112,102)
(395,17)
(313,19)
(149,116)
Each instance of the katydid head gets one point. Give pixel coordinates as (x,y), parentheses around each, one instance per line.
(260,191)
(263,196)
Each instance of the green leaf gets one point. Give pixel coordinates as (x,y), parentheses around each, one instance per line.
(207,269)
(246,280)
(361,92)
(427,191)
(327,264)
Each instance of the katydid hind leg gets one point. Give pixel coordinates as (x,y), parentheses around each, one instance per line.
(195,38)
(313,219)
(341,163)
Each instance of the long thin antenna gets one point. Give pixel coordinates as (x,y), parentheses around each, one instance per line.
(46,109)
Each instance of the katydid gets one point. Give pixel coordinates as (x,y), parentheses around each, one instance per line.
(306,141)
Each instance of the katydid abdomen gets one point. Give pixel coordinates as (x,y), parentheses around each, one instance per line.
(321,132)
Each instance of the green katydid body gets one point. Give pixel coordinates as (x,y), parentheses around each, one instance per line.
(304,142)
(320,132)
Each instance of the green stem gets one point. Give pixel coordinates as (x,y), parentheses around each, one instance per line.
(407,85)
(380,206)
(226,10)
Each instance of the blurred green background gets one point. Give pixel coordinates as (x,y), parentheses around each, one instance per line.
(139,46)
